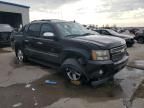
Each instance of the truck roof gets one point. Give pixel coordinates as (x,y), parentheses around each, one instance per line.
(48,20)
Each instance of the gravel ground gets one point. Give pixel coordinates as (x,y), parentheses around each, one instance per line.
(136,58)
(136,52)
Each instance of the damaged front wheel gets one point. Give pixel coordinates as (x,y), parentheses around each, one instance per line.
(73,71)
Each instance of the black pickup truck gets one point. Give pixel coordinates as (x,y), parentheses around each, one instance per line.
(81,54)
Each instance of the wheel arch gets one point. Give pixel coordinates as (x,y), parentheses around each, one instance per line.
(74,53)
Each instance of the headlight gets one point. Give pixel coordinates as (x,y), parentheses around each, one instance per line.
(100,55)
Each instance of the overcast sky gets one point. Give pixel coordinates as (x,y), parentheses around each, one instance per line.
(119,12)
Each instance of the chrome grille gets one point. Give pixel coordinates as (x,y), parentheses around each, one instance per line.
(118,53)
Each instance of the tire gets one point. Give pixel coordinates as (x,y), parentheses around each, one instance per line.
(129,45)
(73,71)
(21,57)
(12,45)
(140,40)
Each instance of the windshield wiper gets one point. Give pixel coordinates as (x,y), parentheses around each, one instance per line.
(85,34)
(73,35)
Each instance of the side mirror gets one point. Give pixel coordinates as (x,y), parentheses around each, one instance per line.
(48,34)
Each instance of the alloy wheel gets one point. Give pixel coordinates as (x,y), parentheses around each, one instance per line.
(20,55)
(72,74)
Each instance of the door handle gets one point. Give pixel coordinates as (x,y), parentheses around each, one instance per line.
(40,43)
(26,40)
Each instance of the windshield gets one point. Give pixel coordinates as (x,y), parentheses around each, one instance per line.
(71,29)
(113,32)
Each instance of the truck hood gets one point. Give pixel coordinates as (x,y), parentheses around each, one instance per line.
(101,41)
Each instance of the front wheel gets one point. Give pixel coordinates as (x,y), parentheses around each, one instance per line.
(140,40)
(73,71)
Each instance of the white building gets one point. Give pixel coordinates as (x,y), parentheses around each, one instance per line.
(13,14)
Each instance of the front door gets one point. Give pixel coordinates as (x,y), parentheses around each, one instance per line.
(50,47)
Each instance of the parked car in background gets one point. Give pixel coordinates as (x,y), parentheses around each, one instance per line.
(81,55)
(129,39)
(139,36)
(5,32)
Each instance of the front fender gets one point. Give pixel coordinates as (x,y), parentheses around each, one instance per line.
(72,52)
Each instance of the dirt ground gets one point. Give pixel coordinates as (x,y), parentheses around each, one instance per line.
(136,58)
(23,86)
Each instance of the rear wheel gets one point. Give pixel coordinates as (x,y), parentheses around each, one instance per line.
(73,71)
(21,57)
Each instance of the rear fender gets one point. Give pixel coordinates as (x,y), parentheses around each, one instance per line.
(18,42)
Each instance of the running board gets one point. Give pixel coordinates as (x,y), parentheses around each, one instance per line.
(52,65)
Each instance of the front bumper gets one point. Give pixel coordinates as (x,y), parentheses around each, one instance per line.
(109,68)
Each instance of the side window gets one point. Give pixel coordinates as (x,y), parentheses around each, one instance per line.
(46,28)
(24,29)
(98,31)
(105,32)
(34,30)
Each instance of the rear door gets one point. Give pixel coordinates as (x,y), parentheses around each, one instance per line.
(30,41)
